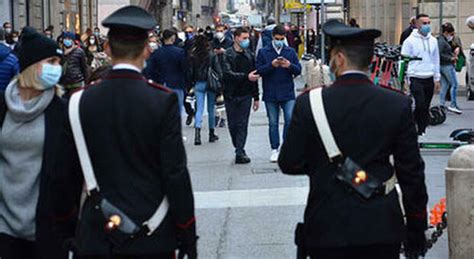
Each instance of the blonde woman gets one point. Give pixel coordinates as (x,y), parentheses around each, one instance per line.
(31,120)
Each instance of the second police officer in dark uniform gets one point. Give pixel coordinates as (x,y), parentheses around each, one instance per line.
(141,203)
(353,208)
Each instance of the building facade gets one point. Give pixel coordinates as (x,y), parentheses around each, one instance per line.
(70,15)
(392,16)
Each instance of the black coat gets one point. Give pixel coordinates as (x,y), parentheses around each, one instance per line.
(75,67)
(225,44)
(133,134)
(49,226)
(405,34)
(167,65)
(369,124)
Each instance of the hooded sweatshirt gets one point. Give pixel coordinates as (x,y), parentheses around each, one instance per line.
(9,66)
(425,47)
(22,137)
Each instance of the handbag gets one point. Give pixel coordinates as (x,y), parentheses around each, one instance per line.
(348,172)
(460,63)
(214,83)
(120,228)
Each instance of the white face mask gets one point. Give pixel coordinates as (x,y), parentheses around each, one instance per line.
(8,30)
(450,38)
(219,35)
(153,45)
(92,41)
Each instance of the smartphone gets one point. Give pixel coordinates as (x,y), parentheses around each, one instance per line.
(280,58)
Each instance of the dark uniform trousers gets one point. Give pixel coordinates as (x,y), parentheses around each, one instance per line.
(238,113)
(15,248)
(422,90)
(386,251)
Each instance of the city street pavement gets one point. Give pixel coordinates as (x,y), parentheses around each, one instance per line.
(250,211)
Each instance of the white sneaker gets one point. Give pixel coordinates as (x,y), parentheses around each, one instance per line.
(274,156)
(454,109)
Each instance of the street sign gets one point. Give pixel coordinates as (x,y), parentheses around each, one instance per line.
(296,6)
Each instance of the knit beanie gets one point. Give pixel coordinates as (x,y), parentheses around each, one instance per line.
(35,47)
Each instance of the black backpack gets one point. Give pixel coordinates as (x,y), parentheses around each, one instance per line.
(437,115)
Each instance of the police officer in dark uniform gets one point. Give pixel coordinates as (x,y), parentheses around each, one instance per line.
(369,124)
(132,130)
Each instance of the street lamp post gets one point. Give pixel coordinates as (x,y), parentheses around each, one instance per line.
(323,20)
(305,24)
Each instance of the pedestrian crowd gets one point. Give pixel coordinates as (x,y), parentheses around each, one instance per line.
(442,57)
(91,148)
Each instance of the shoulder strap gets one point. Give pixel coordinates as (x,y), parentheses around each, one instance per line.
(322,124)
(74,117)
(91,183)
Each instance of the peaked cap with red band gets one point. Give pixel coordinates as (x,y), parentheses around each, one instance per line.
(130,23)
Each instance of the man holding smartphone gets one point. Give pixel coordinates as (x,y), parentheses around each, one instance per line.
(278,64)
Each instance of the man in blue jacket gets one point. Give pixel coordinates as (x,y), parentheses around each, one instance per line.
(9,65)
(278,64)
(167,66)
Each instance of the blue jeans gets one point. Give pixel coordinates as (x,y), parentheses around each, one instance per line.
(200,90)
(448,78)
(273,113)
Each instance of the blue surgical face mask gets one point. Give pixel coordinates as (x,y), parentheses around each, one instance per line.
(245,43)
(67,43)
(189,35)
(50,75)
(279,43)
(425,29)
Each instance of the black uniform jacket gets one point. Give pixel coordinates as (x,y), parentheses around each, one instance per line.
(49,244)
(369,124)
(133,134)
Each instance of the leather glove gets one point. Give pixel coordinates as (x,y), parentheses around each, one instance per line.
(415,244)
(187,243)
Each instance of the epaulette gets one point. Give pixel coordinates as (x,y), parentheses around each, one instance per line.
(93,83)
(393,89)
(158,86)
(308,89)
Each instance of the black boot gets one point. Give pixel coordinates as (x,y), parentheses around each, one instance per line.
(189,119)
(212,136)
(197,137)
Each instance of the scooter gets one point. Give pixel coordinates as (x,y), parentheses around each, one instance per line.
(460,137)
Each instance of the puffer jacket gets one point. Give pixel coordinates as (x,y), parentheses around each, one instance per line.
(9,66)
(74,67)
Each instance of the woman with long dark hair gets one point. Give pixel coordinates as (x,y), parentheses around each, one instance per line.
(201,59)
(311,41)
